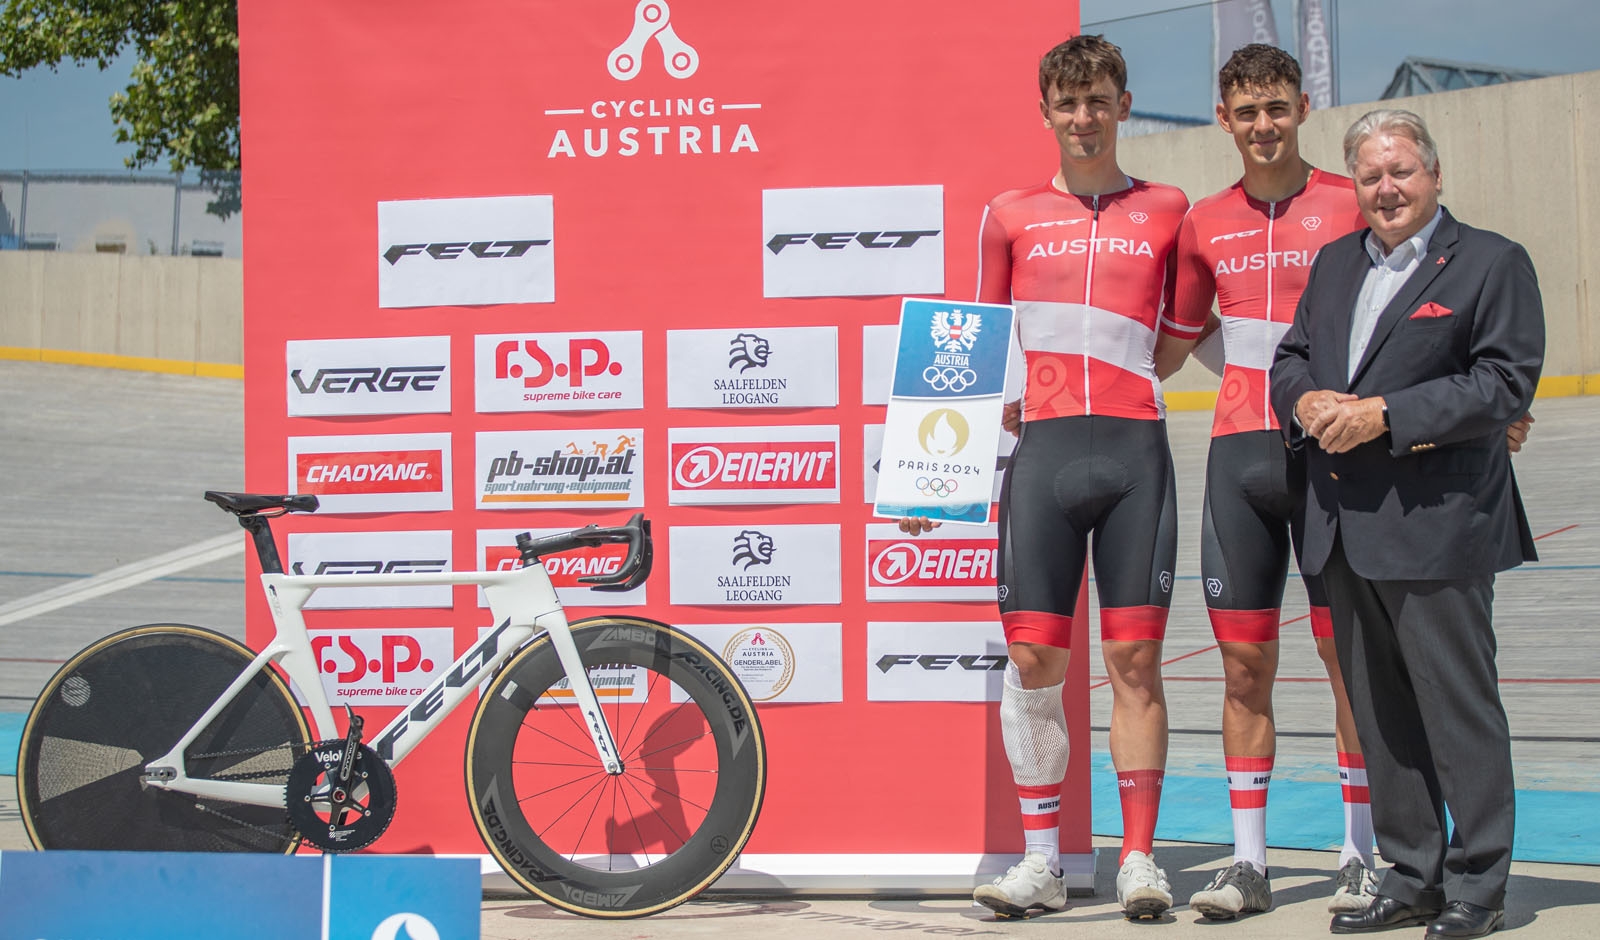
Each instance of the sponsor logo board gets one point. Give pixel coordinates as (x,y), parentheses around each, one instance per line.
(777,662)
(733,466)
(559,371)
(852,241)
(585,469)
(380,666)
(951,564)
(785,367)
(394,375)
(340,553)
(955,661)
(373,472)
(463,252)
(872,456)
(755,565)
(497,551)
(878,346)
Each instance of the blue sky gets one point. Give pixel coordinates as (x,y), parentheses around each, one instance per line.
(60,120)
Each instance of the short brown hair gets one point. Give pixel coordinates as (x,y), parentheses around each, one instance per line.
(1257,67)
(1080,61)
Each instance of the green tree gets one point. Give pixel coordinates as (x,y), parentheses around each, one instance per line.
(183,101)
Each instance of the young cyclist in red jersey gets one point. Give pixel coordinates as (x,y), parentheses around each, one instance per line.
(1086,257)
(1250,247)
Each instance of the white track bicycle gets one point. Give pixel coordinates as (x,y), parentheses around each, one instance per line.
(615,766)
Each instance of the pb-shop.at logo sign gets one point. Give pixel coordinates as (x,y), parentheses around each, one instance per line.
(748,351)
(752,547)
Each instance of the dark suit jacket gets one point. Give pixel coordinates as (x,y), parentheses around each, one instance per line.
(1435,497)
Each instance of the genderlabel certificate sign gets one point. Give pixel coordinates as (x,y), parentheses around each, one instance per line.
(943,422)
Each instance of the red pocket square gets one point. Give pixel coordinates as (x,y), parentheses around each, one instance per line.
(1431,310)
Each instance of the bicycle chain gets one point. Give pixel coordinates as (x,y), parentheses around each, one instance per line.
(251,775)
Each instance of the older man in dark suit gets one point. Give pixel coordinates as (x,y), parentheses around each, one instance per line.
(1415,344)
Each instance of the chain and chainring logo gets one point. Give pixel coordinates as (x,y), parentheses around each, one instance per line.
(611,126)
(364,666)
(763,659)
(796,464)
(784,367)
(394,375)
(559,371)
(852,241)
(373,473)
(737,565)
(517,469)
(470,251)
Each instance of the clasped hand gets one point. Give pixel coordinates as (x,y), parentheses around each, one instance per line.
(1338,420)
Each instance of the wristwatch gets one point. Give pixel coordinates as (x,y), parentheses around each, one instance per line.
(1386,417)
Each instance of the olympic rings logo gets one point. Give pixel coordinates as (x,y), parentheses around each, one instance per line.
(933,486)
(949,378)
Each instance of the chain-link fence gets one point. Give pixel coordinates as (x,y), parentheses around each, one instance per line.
(132,213)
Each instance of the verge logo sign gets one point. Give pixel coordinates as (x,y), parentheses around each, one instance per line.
(585,468)
(731,466)
(852,241)
(955,567)
(935,662)
(364,667)
(559,371)
(373,472)
(459,252)
(736,565)
(343,553)
(397,375)
(787,367)
(688,120)
(497,551)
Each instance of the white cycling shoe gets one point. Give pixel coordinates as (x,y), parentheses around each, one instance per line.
(1142,888)
(1027,887)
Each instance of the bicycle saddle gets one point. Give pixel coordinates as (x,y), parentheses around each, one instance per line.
(245,503)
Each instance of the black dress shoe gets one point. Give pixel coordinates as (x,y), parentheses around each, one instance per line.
(1384,913)
(1464,919)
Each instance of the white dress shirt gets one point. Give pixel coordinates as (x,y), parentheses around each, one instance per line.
(1384,279)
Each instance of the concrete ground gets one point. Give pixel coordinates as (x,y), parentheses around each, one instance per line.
(90,457)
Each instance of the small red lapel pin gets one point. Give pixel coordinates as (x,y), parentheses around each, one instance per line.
(1440,261)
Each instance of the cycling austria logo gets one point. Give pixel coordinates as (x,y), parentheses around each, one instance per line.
(954,334)
(764,660)
(687,121)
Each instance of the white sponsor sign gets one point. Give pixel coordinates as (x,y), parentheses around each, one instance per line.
(755,565)
(852,241)
(372,472)
(584,469)
(497,551)
(872,456)
(381,666)
(877,365)
(458,252)
(559,371)
(734,466)
(951,564)
(373,553)
(784,367)
(935,662)
(391,376)
(777,662)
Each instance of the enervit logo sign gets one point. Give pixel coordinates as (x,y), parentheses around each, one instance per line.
(778,662)
(872,454)
(730,466)
(457,252)
(953,564)
(935,662)
(397,375)
(786,367)
(369,666)
(497,551)
(682,116)
(755,565)
(586,468)
(559,371)
(350,553)
(852,241)
(373,472)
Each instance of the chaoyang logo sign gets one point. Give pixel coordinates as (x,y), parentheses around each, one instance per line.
(559,371)
(497,551)
(935,566)
(344,553)
(465,252)
(852,241)
(755,565)
(731,466)
(369,666)
(785,367)
(397,375)
(373,472)
(654,105)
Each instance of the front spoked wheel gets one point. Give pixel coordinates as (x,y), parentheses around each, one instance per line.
(628,844)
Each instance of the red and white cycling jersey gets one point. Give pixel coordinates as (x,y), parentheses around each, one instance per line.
(1090,277)
(1254,258)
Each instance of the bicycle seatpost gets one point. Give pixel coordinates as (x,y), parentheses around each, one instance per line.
(260,530)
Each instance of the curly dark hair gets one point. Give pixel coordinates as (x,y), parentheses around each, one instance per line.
(1257,67)
(1082,60)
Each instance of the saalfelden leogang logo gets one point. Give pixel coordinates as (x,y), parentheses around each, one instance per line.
(586,468)
(373,472)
